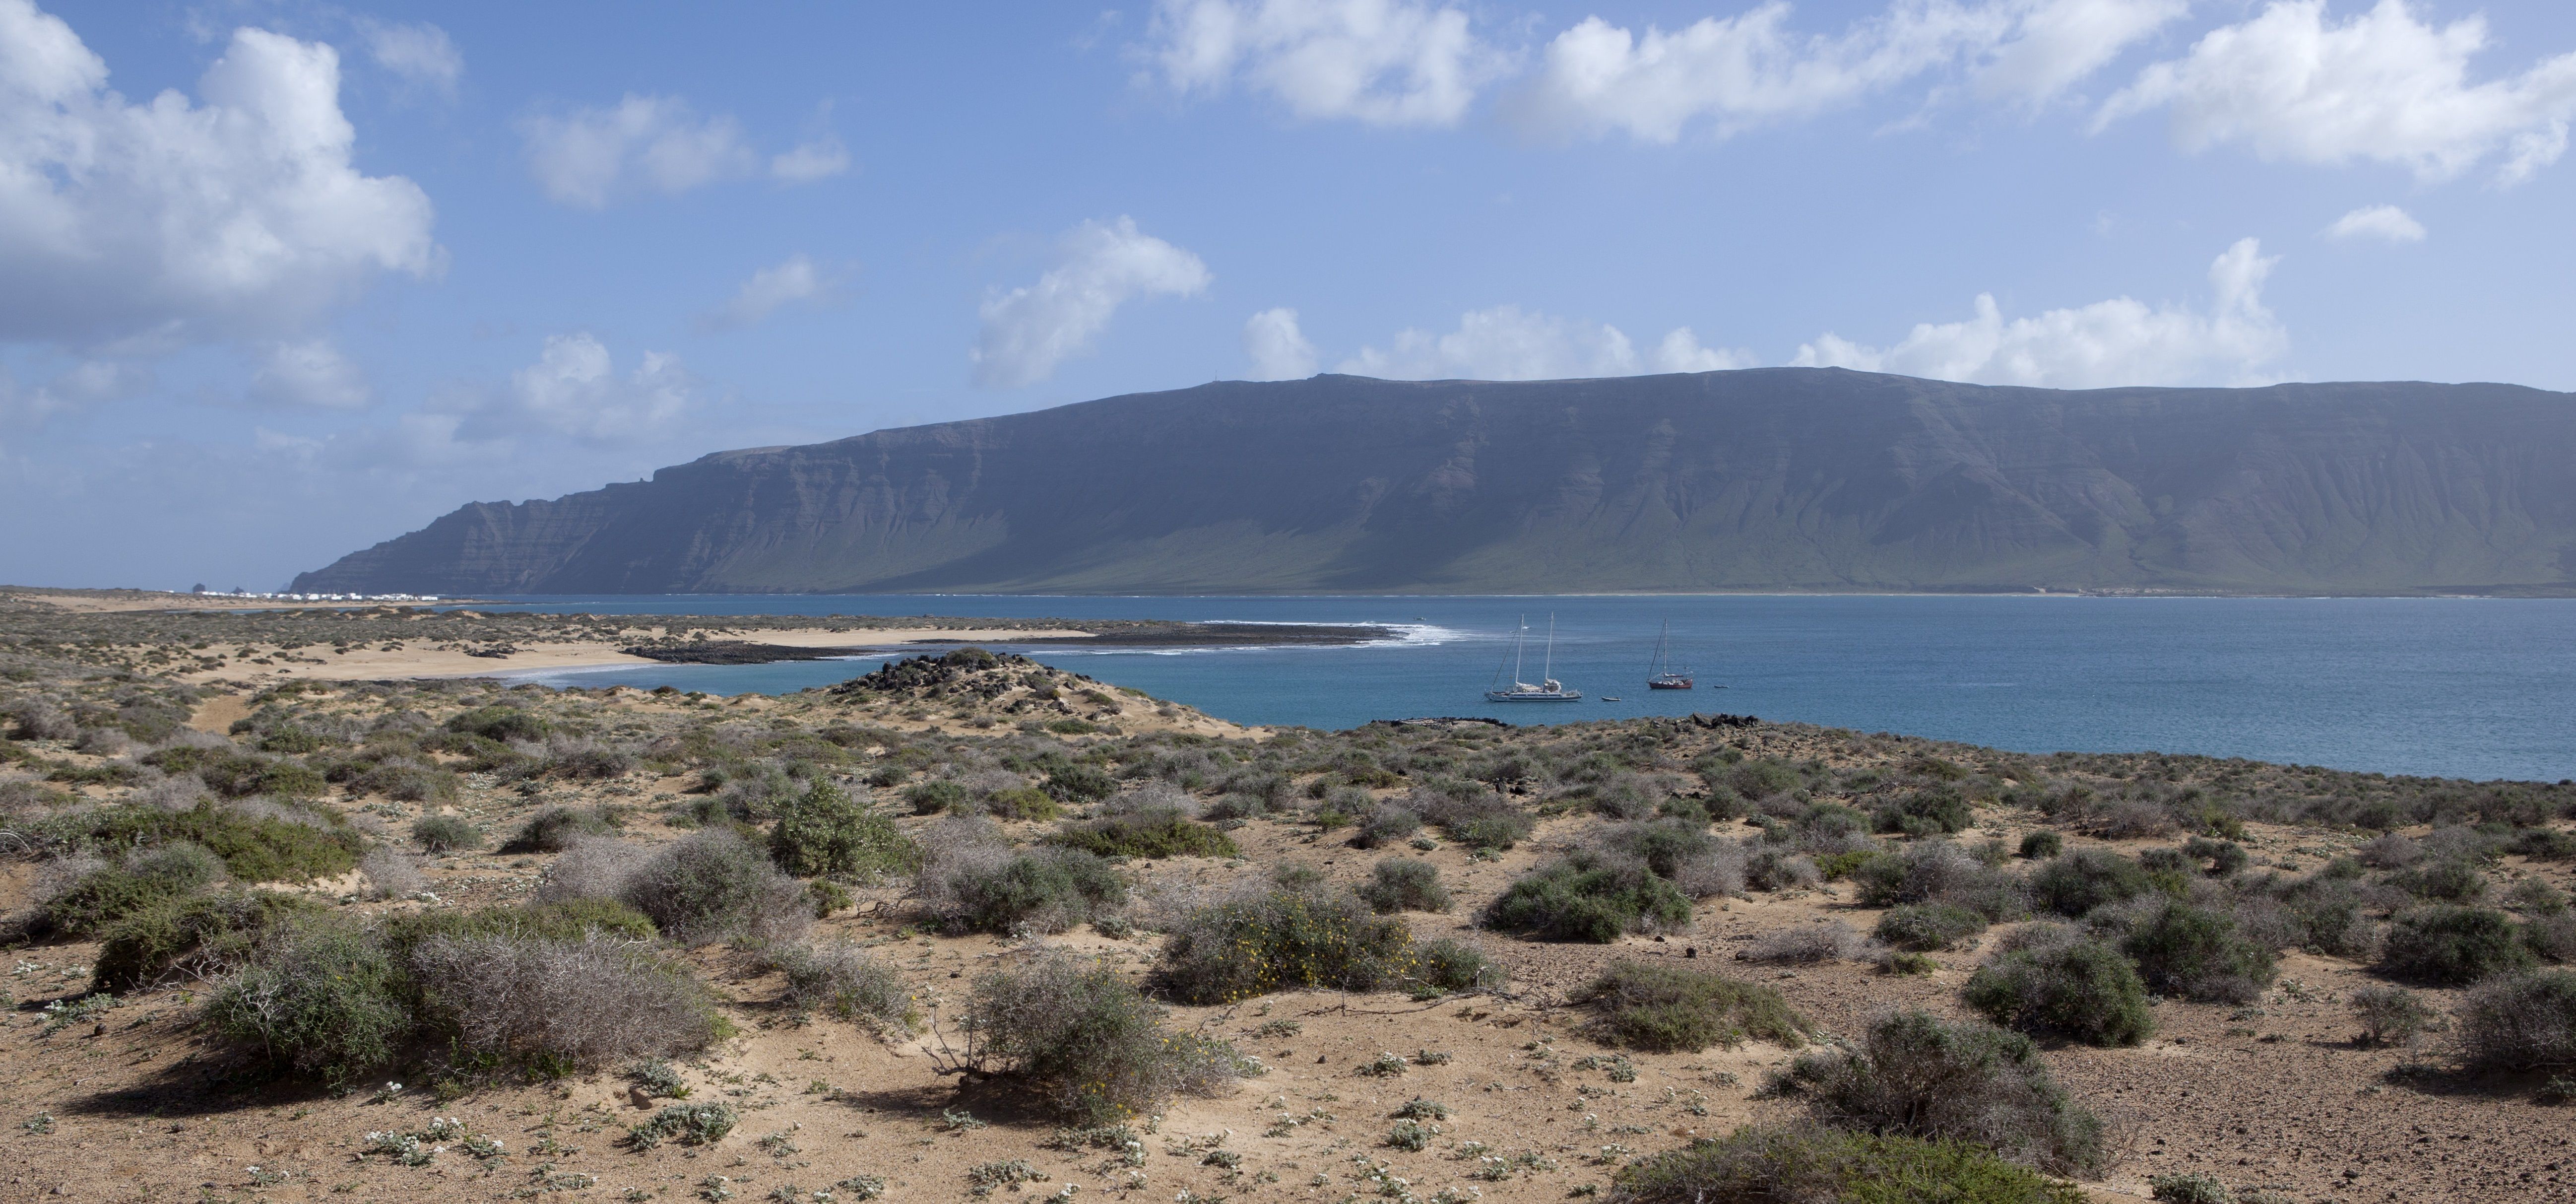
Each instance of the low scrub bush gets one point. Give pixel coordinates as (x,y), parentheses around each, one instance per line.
(1088,1045)
(1804,944)
(1150,831)
(1936,871)
(995,889)
(1023,803)
(2552,936)
(1389,824)
(1773,1164)
(1916,1075)
(1925,927)
(446,834)
(1078,784)
(933,797)
(1590,896)
(825,832)
(323,1000)
(716,884)
(500,723)
(688,1124)
(391,873)
(2390,1015)
(555,829)
(845,982)
(109,894)
(196,936)
(1780,869)
(2073,884)
(1402,884)
(1933,811)
(1450,965)
(2452,946)
(2222,857)
(1664,1008)
(1283,940)
(276,844)
(2444,881)
(1473,814)
(2041,845)
(561,1005)
(2521,1022)
(2198,954)
(2077,988)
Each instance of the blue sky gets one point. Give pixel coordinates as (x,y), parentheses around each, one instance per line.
(279,280)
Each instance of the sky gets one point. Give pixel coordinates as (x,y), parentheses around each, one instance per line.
(279,280)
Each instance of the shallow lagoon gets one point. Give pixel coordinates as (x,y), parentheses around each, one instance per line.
(2480,688)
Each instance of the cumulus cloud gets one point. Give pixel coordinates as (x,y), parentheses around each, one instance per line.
(2105,344)
(572,390)
(160,223)
(588,156)
(419,54)
(1277,349)
(2388,223)
(312,373)
(2291,84)
(1099,267)
(1510,343)
(820,159)
(86,383)
(793,281)
(1731,74)
(1382,62)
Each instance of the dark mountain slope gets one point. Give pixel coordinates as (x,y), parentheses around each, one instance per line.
(1798,479)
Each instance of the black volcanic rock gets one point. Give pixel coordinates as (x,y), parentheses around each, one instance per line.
(1767,479)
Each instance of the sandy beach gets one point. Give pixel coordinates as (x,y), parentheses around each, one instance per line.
(371,664)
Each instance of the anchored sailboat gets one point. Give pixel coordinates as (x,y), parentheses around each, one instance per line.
(1548,689)
(1663,675)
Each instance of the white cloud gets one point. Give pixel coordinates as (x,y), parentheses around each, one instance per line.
(311,372)
(820,159)
(589,156)
(2105,344)
(573,389)
(2385,222)
(1277,349)
(1510,343)
(1382,62)
(1742,72)
(166,222)
(1100,266)
(2382,87)
(794,280)
(418,54)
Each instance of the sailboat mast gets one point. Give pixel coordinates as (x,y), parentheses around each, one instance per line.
(1520,639)
(1547,671)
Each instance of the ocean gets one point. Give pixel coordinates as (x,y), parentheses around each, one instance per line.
(2452,687)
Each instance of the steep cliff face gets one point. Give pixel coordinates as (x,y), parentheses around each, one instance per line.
(1799,479)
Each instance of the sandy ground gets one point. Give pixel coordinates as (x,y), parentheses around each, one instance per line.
(375,664)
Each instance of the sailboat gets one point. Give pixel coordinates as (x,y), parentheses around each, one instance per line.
(1662,675)
(1548,689)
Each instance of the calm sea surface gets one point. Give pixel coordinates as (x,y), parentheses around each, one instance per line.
(2453,687)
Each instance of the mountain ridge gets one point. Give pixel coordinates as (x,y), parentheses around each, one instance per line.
(1779,479)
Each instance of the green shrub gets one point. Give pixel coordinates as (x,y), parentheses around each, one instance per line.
(688,1124)
(148,876)
(1589,896)
(254,848)
(823,831)
(2389,1015)
(556,1005)
(2073,884)
(2224,856)
(1149,832)
(1850,863)
(1765,1164)
(1284,940)
(1448,964)
(715,884)
(2447,881)
(555,828)
(935,796)
(500,723)
(320,1000)
(1023,802)
(2198,954)
(1402,884)
(2081,989)
(2452,946)
(1916,1075)
(1088,1045)
(1040,890)
(446,833)
(846,982)
(1932,811)
(1664,1008)
(2190,1188)
(236,774)
(1495,832)
(1389,824)
(203,931)
(2521,1022)
(2041,845)
(1078,784)
(1665,845)
(1762,778)
(1923,927)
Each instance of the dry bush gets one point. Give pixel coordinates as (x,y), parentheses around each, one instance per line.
(2390,1015)
(391,873)
(2132,819)
(1403,884)
(104,742)
(1917,1075)
(1389,824)
(2521,1022)
(1261,941)
(591,867)
(566,1004)
(1665,1008)
(2389,851)
(1937,871)
(38,720)
(177,792)
(2552,936)
(1092,1048)
(1805,944)
(844,981)
(1819,1164)
(1770,868)
(716,884)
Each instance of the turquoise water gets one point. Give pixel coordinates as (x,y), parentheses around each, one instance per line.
(2477,688)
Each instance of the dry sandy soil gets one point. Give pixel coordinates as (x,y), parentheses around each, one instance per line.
(135,1103)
